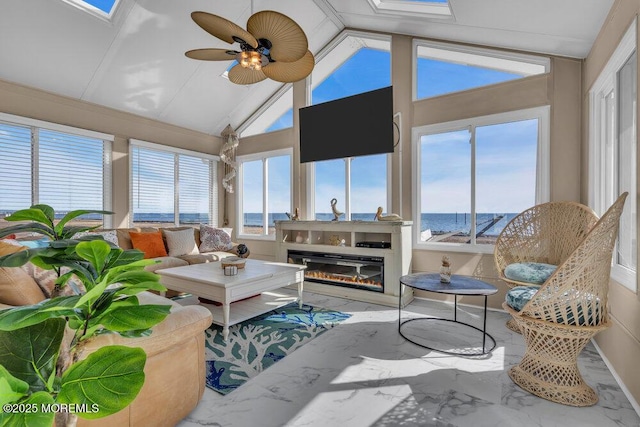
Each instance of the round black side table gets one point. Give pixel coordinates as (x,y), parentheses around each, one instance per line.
(459,285)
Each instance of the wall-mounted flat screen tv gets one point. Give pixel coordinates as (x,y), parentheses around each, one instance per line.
(358,125)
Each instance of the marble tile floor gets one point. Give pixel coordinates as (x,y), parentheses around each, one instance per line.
(363,373)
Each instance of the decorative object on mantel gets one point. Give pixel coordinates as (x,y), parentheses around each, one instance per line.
(228,157)
(295,216)
(334,209)
(299,238)
(445,270)
(334,240)
(389,217)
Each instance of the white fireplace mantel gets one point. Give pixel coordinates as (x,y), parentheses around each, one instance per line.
(341,237)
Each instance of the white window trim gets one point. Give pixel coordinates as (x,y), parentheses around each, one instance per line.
(265,202)
(496,56)
(166,148)
(597,151)
(543,167)
(25,121)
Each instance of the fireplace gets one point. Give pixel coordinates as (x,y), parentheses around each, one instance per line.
(347,270)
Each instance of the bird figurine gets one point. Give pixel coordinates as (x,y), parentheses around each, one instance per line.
(295,216)
(389,217)
(336,212)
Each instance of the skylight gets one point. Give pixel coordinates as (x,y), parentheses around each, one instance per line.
(429,8)
(100,8)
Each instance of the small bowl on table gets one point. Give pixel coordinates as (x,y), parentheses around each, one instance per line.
(233,261)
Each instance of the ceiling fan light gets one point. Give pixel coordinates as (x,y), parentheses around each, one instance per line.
(251,59)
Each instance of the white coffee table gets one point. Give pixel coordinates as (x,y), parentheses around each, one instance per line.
(208,281)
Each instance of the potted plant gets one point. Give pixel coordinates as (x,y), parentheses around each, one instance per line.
(43,377)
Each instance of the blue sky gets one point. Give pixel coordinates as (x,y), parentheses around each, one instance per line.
(107,5)
(506,153)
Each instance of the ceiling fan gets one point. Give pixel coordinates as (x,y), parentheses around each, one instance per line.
(273,46)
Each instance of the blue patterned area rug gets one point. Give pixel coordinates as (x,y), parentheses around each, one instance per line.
(258,343)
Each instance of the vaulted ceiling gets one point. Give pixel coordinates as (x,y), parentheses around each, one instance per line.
(136,62)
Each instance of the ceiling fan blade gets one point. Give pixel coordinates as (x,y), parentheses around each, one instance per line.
(211,54)
(289,43)
(245,76)
(222,28)
(289,72)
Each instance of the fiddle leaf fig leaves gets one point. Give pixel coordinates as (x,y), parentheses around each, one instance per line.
(111,378)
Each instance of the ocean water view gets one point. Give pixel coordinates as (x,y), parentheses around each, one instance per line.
(438,223)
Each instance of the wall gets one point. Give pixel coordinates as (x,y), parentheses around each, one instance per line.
(37,104)
(621,342)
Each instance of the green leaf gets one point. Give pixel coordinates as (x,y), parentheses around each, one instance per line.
(35,419)
(11,388)
(74,214)
(141,287)
(118,257)
(47,210)
(136,276)
(94,251)
(69,230)
(31,227)
(28,315)
(121,319)
(30,214)
(30,353)
(111,377)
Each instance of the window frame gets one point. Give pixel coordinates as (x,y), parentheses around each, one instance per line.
(601,155)
(311,188)
(530,60)
(264,156)
(36,125)
(213,179)
(543,167)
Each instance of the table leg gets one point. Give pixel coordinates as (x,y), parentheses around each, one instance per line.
(300,286)
(484,326)
(455,308)
(225,321)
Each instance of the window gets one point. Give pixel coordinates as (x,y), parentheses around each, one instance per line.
(443,68)
(473,176)
(265,195)
(64,167)
(100,8)
(170,186)
(275,114)
(357,64)
(612,151)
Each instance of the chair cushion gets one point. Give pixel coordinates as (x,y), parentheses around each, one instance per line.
(517,297)
(529,272)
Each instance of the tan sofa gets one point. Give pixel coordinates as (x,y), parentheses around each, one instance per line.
(175,367)
(124,241)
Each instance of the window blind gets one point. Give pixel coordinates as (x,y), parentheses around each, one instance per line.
(172,186)
(15,167)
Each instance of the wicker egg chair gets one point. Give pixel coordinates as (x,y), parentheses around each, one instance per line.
(546,233)
(564,314)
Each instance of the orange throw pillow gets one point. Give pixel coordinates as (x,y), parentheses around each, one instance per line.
(149,243)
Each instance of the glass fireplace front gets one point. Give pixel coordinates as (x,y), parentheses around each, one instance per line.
(352,271)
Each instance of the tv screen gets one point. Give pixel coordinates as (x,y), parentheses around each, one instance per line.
(358,125)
